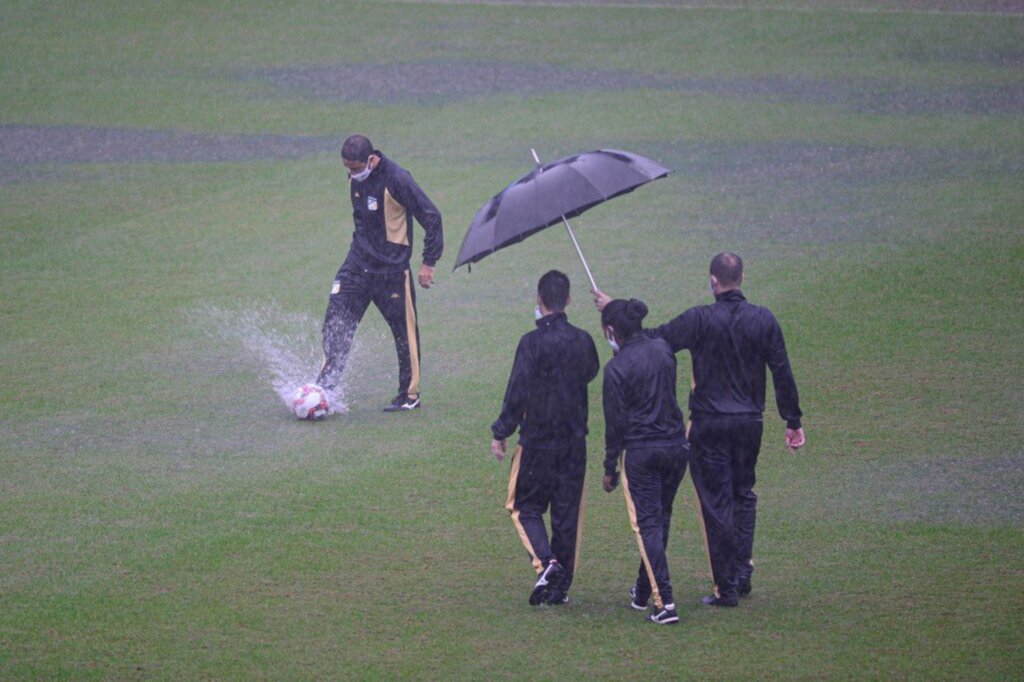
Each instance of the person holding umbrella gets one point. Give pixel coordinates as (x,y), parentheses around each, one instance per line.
(645,435)
(385,199)
(546,400)
(731,343)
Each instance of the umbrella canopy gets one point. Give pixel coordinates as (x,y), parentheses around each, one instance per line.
(552,193)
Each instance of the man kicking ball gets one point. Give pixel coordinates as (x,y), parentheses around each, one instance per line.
(385,199)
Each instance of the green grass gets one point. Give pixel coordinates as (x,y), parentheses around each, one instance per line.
(162,517)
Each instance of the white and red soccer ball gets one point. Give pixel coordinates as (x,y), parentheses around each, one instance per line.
(310,402)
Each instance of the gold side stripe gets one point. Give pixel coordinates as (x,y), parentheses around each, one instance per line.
(631,511)
(704,532)
(510,505)
(579,526)
(410,330)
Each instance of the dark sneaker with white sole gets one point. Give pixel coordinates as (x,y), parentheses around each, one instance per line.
(666,616)
(403,402)
(714,600)
(635,601)
(546,581)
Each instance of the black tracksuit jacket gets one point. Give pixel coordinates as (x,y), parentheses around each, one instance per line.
(730,342)
(640,407)
(383,208)
(546,397)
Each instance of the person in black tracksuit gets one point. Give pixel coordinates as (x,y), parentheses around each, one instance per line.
(385,199)
(731,343)
(546,400)
(644,430)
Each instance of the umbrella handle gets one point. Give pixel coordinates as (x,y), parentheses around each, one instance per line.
(590,275)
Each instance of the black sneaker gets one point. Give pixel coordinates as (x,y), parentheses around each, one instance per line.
(557,597)
(667,616)
(558,588)
(714,600)
(403,402)
(635,602)
(744,588)
(547,579)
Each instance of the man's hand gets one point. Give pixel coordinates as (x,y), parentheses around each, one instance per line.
(610,483)
(601,299)
(499,449)
(795,439)
(426,276)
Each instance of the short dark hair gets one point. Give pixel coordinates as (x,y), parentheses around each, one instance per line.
(727,268)
(625,316)
(356,148)
(553,289)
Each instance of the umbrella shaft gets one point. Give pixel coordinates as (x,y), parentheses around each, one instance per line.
(590,276)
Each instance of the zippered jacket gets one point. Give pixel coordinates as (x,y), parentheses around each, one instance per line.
(383,208)
(546,397)
(640,406)
(731,342)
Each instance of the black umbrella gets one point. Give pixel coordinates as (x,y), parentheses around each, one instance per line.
(553,193)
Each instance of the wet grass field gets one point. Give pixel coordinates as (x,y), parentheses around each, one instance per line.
(172,213)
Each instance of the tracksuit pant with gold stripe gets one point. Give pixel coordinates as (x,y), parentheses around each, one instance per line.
(393,293)
(724,458)
(650,478)
(542,477)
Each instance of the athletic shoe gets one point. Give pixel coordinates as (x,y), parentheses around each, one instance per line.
(638,604)
(403,402)
(545,581)
(712,600)
(667,616)
(557,598)
(558,589)
(744,588)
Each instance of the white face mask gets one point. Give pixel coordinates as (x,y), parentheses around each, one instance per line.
(363,174)
(537,314)
(612,342)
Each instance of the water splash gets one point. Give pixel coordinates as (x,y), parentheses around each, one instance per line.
(286,347)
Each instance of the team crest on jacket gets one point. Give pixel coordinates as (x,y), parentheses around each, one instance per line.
(371,203)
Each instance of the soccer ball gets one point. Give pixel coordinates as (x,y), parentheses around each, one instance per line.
(310,402)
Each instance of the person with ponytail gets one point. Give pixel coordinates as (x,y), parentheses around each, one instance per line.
(733,345)
(645,446)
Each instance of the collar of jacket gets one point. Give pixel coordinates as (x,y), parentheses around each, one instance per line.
(380,164)
(730,295)
(639,336)
(550,319)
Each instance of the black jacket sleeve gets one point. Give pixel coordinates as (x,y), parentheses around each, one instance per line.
(517,394)
(681,331)
(614,419)
(786,398)
(593,361)
(426,214)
